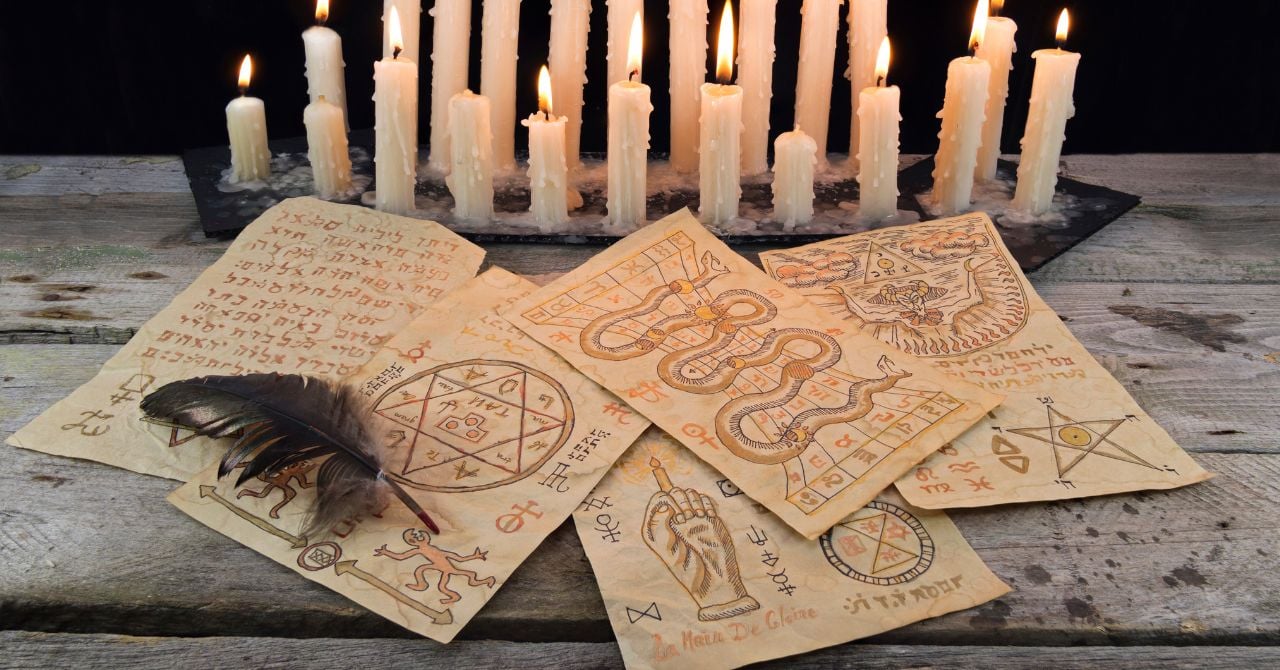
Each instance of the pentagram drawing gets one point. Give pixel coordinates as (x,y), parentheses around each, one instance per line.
(880,544)
(1073,441)
(474,424)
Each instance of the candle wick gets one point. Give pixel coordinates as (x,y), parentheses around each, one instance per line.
(244,90)
(395,53)
(880,81)
(633,75)
(1062,44)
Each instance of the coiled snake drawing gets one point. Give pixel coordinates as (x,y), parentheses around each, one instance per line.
(724,316)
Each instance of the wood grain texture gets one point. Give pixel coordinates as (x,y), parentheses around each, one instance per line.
(20,649)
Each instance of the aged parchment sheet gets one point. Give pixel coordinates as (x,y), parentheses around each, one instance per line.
(696,575)
(309,287)
(950,292)
(494,435)
(804,414)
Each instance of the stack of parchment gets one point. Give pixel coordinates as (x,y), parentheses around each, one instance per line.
(805,421)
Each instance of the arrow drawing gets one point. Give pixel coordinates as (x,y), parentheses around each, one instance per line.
(294,541)
(349,567)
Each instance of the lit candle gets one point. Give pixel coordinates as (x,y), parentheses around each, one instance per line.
(688,25)
(962,113)
(548,171)
(325,69)
(794,156)
(410,12)
(620,19)
(1051,106)
(470,178)
(629,109)
(327,147)
(867,30)
(878,146)
(501,33)
(395,102)
(819,24)
(450,55)
(570,22)
(997,49)
(247,128)
(720,134)
(755,76)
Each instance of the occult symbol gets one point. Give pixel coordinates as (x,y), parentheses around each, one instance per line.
(281,480)
(437,560)
(1010,455)
(510,523)
(137,384)
(596,503)
(319,556)
(476,424)
(882,264)
(83,424)
(349,568)
(1073,440)
(614,409)
(650,612)
(608,528)
(880,544)
(557,479)
(728,489)
(176,431)
(207,491)
(683,528)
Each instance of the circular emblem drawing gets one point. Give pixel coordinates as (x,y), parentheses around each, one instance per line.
(880,544)
(474,424)
(319,556)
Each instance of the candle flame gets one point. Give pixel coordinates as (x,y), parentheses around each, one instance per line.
(322,11)
(1064,25)
(997,6)
(246,72)
(544,91)
(635,49)
(724,50)
(979,33)
(397,35)
(882,61)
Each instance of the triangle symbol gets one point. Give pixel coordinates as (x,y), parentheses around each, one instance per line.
(881,264)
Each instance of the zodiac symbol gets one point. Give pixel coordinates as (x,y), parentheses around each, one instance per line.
(650,612)
(510,523)
(608,528)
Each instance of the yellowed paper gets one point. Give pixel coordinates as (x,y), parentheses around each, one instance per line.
(950,291)
(309,287)
(806,416)
(696,575)
(494,435)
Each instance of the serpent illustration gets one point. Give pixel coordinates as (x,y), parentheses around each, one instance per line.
(724,316)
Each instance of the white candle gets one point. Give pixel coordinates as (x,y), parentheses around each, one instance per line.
(499,38)
(794,156)
(997,49)
(819,24)
(962,113)
(878,146)
(450,56)
(620,16)
(867,29)
(1051,106)
(628,159)
(327,147)
(755,76)
(325,69)
(720,135)
(470,178)
(570,22)
(410,12)
(395,101)
(247,129)
(548,171)
(688,46)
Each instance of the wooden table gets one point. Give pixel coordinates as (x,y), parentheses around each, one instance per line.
(1179,300)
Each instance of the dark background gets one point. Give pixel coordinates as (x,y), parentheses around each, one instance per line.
(117,76)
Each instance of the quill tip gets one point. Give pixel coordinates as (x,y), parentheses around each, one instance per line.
(430,524)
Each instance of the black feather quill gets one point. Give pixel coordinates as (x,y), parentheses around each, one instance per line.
(286,420)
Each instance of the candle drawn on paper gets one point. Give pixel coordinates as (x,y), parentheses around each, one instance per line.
(950,292)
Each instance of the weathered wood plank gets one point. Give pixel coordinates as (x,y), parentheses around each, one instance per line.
(25,649)
(89,548)
(61,175)
(1212,179)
